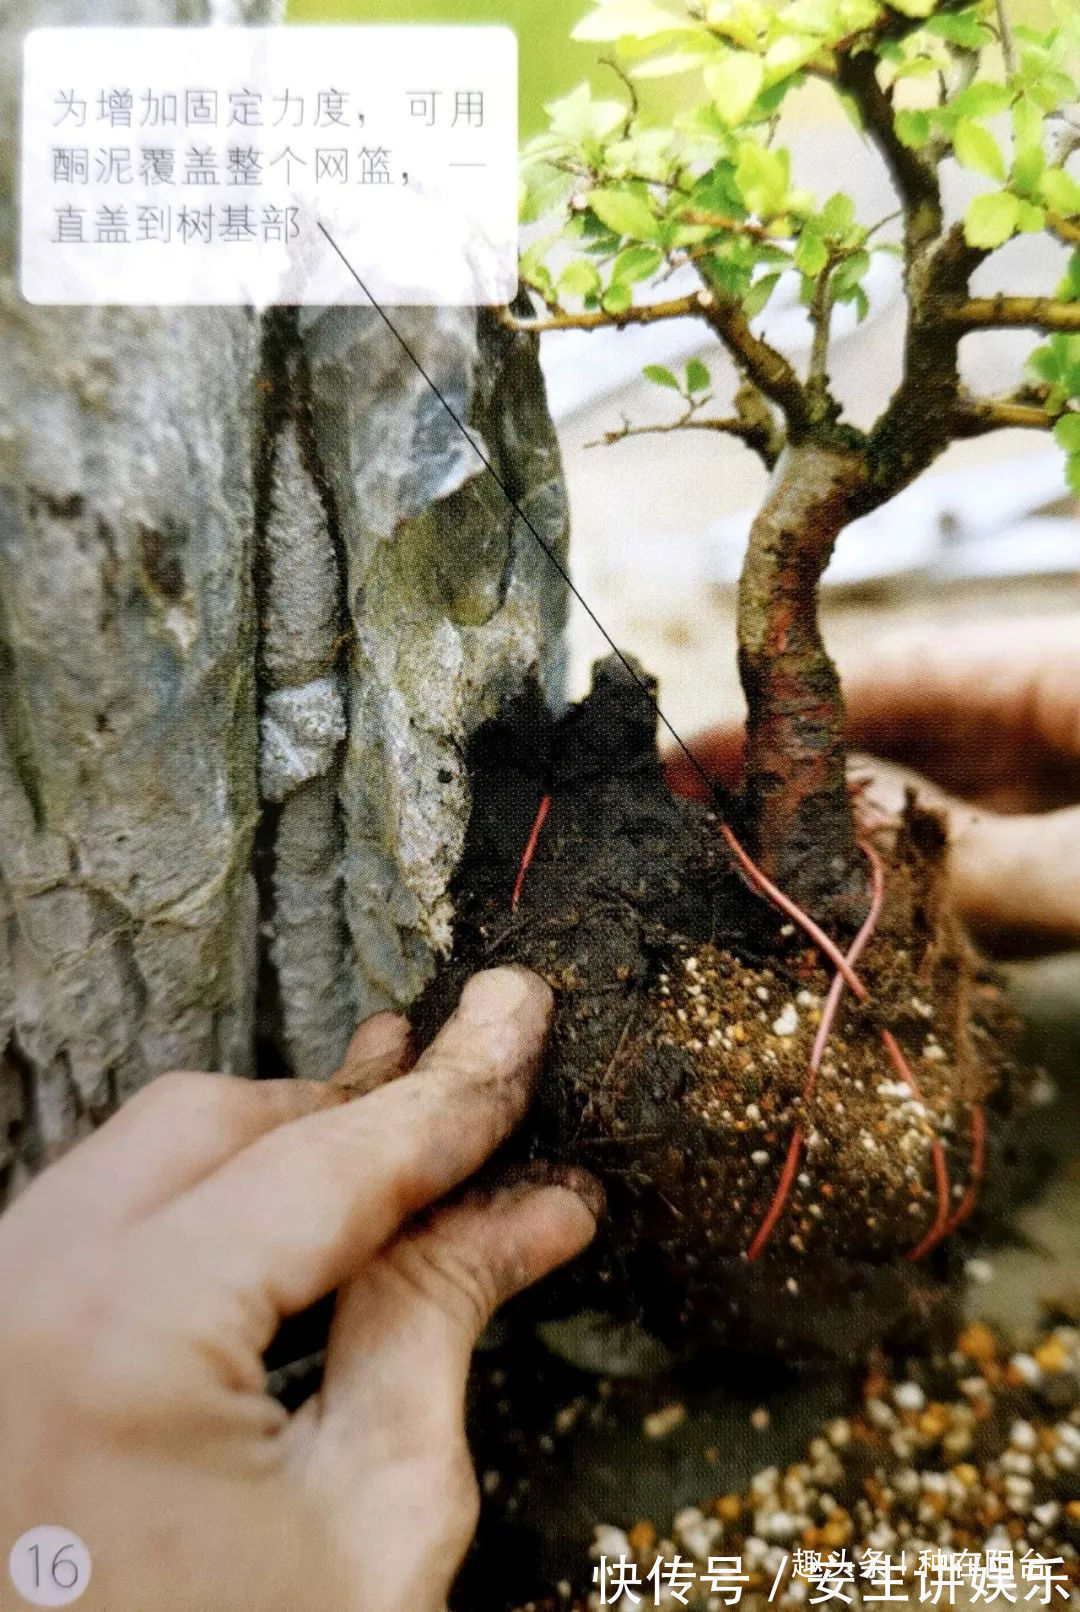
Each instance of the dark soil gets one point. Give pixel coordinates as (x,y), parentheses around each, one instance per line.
(687,1007)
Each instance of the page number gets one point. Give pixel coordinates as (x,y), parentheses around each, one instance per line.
(49,1566)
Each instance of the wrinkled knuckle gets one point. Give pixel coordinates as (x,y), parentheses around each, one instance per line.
(463,1287)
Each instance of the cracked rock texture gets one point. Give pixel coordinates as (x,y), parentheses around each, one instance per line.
(256,594)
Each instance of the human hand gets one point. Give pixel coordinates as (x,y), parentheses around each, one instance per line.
(144,1275)
(988,714)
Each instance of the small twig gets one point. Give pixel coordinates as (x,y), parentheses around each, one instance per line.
(754,435)
(1008,41)
(631,90)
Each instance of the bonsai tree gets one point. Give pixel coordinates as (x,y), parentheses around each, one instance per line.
(711,192)
(795,1102)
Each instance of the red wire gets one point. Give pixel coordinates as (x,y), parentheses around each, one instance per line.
(821,1040)
(789,907)
(530,851)
(937,1153)
(978,1165)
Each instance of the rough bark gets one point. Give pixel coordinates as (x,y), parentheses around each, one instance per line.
(256,593)
(796,786)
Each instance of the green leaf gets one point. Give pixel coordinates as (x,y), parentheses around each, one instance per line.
(1027,121)
(698,378)
(577,117)
(625,213)
(838,215)
(763,178)
(757,297)
(787,53)
(991,220)
(976,148)
(912,127)
(617,298)
(847,275)
(628,19)
(734,83)
(913,8)
(1060,191)
(811,253)
(661,376)
(637,263)
(1030,219)
(580,279)
(961,28)
(1072,473)
(982,99)
(1044,365)
(1067,432)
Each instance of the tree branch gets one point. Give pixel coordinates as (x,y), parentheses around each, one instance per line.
(1022,410)
(646,313)
(1007,313)
(756,436)
(821,311)
(769,370)
(1066,229)
(915,179)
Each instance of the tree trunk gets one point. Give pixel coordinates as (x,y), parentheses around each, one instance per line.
(256,592)
(797,802)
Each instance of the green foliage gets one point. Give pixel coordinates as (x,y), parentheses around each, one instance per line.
(1055,369)
(640,195)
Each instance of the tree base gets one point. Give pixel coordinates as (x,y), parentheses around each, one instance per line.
(677,1071)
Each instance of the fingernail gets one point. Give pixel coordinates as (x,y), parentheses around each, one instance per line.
(490,997)
(540,1173)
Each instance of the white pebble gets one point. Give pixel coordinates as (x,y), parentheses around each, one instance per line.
(1027,1368)
(788,1021)
(909,1397)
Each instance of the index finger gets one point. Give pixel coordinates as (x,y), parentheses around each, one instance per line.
(305,1208)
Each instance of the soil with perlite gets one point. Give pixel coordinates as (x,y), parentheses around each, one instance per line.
(748,1206)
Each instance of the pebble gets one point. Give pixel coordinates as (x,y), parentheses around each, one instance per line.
(788,1021)
(664,1421)
(909,1396)
(1027,1369)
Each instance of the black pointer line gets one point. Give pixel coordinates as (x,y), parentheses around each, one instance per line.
(758,880)
(526,522)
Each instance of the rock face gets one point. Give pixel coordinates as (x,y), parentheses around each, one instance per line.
(256,594)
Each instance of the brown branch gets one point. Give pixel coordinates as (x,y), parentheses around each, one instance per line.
(762,364)
(769,370)
(1008,42)
(975,416)
(756,436)
(1066,229)
(1007,313)
(915,178)
(733,226)
(645,313)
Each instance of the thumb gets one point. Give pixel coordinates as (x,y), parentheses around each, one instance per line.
(417,1313)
